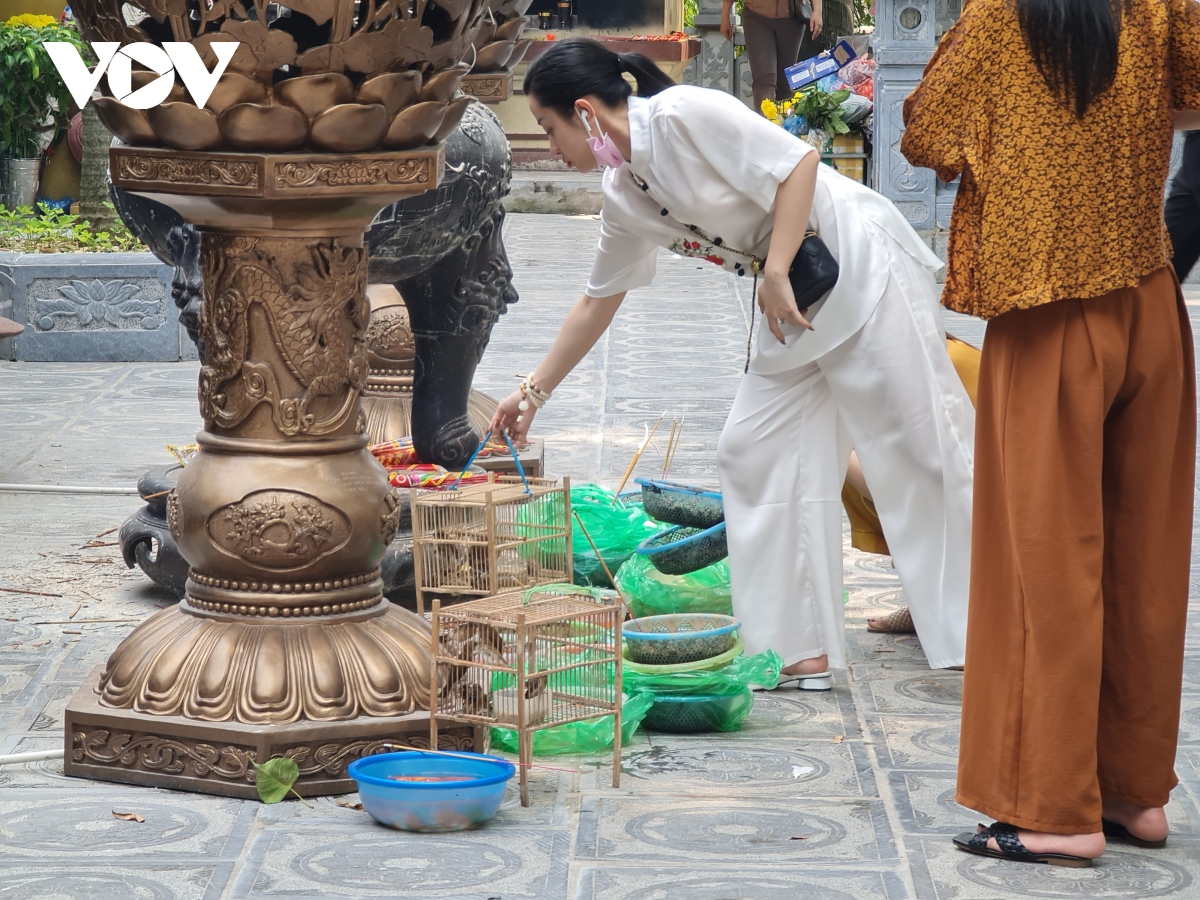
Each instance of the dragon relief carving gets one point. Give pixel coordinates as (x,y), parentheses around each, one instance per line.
(311,294)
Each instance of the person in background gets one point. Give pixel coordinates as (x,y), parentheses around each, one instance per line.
(1086,422)
(773,37)
(1183,208)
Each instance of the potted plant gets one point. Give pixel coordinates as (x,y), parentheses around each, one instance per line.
(34,102)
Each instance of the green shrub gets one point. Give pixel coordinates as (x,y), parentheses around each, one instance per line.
(53,231)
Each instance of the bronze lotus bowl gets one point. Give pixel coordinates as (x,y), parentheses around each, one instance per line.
(321,75)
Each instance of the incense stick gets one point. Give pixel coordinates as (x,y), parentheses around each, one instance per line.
(637,456)
(469,756)
(604,565)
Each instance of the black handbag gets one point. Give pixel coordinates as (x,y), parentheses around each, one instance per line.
(814,272)
(801,9)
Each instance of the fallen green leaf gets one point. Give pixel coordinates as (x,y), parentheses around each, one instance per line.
(275,777)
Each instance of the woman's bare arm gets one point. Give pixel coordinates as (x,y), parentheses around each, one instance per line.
(793,206)
(583,326)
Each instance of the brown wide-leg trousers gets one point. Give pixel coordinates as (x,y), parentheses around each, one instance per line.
(1085,454)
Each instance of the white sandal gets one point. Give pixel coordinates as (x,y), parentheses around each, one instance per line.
(819,681)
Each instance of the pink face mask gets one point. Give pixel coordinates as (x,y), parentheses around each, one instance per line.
(604,150)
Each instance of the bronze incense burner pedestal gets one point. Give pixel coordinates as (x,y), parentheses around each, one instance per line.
(284,644)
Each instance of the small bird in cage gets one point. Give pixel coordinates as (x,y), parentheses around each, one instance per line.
(473,699)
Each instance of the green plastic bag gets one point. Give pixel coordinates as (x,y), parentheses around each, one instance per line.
(651,593)
(743,672)
(588,736)
(616,529)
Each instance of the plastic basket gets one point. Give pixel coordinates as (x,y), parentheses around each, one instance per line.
(679,638)
(698,665)
(689,714)
(680,504)
(681,550)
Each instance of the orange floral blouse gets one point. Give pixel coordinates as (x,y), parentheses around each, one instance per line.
(1052,207)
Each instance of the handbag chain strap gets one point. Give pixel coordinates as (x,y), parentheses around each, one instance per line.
(756,264)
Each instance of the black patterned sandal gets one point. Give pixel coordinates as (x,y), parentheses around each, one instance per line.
(1115,831)
(1011,847)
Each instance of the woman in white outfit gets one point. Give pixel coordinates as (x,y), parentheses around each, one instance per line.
(697,172)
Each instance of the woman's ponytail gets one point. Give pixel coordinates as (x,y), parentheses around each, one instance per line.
(650,78)
(581,67)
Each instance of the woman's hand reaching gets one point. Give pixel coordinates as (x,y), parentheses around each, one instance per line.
(505,417)
(778,303)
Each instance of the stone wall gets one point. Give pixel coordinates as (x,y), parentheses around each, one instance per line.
(90,307)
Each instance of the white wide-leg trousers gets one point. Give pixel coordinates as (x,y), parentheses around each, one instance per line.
(891,393)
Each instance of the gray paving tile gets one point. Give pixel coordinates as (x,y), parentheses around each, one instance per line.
(709,883)
(367,860)
(58,827)
(127,881)
(711,765)
(915,742)
(774,833)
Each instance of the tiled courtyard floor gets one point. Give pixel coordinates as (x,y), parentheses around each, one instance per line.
(820,797)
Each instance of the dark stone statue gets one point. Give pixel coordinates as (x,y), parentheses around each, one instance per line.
(443,251)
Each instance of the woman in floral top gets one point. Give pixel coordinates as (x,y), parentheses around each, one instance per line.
(870,371)
(1058,115)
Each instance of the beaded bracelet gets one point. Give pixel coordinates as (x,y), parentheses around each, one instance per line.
(534,396)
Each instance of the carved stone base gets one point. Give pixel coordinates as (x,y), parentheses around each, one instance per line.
(214,757)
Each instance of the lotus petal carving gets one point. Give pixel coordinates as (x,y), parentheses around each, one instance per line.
(512,29)
(350,127)
(232,89)
(312,94)
(178,663)
(454,113)
(442,86)
(130,125)
(519,52)
(418,41)
(395,90)
(494,56)
(415,126)
(250,126)
(184,126)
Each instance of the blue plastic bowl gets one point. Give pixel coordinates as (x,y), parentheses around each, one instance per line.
(431,805)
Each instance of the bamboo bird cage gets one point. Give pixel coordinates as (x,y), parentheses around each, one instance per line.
(485,539)
(529,660)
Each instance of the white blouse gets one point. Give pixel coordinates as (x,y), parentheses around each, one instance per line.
(716,164)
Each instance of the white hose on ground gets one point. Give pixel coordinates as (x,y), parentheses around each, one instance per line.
(30,756)
(64,489)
